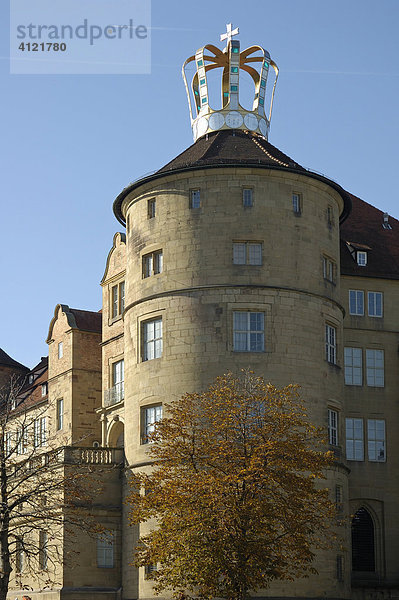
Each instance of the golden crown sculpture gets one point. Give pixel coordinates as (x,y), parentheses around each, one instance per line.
(232,115)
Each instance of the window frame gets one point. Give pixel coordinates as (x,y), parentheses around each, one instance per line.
(118,378)
(247,197)
(152,263)
(331,346)
(296,203)
(374,314)
(357,451)
(333,426)
(195,199)
(329,269)
(146,426)
(351,371)
(60,350)
(158,349)
(43,550)
(361,258)
(247,251)
(373,371)
(117,300)
(374,441)
(105,550)
(151,208)
(60,413)
(249,331)
(356,300)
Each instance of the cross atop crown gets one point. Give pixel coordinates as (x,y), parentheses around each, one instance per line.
(230,33)
(254,62)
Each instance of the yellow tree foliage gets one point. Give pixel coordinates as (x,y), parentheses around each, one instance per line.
(235,489)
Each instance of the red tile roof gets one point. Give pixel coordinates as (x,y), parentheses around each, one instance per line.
(7,361)
(364,228)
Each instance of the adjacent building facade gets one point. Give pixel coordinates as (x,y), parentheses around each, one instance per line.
(233,255)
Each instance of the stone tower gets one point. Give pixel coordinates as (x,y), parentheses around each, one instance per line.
(232,254)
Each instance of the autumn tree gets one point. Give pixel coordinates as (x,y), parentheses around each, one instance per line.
(44,490)
(236,490)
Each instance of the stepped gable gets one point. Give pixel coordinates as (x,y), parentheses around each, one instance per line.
(7,361)
(231,147)
(364,228)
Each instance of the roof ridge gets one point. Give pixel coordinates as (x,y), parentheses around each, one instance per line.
(280,162)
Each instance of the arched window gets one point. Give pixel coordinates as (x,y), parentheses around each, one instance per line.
(363,553)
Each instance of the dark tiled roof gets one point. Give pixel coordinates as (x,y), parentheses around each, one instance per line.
(86,320)
(363,228)
(231,147)
(7,361)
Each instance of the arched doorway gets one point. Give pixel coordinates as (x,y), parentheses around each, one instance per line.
(116,435)
(363,542)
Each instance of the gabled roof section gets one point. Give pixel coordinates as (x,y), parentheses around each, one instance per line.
(364,229)
(231,147)
(7,361)
(84,320)
(119,240)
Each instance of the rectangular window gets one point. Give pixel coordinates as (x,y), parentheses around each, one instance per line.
(376,440)
(149,570)
(332,427)
(195,199)
(296,204)
(329,269)
(19,557)
(375,368)
(8,443)
(247,253)
(151,207)
(117,299)
(356,302)
(40,432)
(105,550)
(374,304)
(22,440)
(361,258)
(340,568)
(152,339)
(43,556)
(354,439)
(149,416)
(339,497)
(118,381)
(152,263)
(248,331)
(247,197)
(44,389)
(353,366)
(60,413)
(331,344)
(60,350)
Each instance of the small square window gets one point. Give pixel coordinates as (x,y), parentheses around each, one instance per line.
(195,198)
(248,331)
(247,253)
(152,263)
(151,208)
(247,197)
(361,258)
(296,203)
(149,570)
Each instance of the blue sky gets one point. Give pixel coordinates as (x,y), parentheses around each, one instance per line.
(70,143)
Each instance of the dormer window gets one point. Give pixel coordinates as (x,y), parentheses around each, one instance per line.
(361,258)
(30,378)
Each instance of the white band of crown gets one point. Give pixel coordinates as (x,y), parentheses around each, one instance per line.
(232,115)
